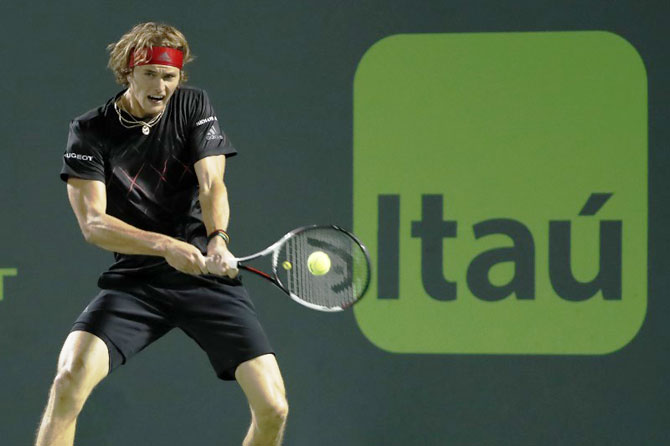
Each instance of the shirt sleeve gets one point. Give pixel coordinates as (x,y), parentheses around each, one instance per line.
(83,157)
(206,138)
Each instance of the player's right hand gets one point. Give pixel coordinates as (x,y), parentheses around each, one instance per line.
(185,257)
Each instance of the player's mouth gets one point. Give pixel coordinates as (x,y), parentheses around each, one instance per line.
(156,99)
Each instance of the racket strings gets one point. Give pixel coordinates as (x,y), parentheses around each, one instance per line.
(340,279)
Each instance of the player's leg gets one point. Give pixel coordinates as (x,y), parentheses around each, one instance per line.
(263,385)
(221,318)
(82,364)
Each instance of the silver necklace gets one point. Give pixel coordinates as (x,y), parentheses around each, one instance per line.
(134,122)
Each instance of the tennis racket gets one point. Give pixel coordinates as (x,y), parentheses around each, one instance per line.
(324,268)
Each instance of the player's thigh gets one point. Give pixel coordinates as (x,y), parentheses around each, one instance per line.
(84,357)
(262,383)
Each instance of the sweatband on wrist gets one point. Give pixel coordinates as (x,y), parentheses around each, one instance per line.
(219,233)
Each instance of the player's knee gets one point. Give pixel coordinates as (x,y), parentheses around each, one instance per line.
(273,414)
(280,410)
(69,386)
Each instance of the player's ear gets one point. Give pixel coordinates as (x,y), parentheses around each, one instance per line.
(129,75)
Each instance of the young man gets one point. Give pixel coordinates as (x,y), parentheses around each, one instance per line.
(144,177)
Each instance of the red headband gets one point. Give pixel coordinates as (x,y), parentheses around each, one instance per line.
(160,55)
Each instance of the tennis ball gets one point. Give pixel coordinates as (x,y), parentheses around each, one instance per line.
(318,263)
(286,265)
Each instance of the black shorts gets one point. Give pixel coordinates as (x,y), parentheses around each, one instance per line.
(130,313)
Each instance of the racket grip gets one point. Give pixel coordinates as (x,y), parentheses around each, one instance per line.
(235,263)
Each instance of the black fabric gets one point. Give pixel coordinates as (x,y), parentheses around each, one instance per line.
(131,314)
(150,179)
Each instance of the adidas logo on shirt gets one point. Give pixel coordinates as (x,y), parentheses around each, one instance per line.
(213,133)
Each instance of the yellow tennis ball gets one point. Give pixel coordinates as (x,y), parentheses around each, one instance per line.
(318,263)
(286,265)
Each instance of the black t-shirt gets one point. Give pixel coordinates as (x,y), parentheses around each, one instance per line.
(150,179)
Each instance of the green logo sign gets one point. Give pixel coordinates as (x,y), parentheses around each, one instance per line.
(5,272)
(500,181)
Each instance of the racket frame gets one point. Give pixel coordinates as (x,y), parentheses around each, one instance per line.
(275,248)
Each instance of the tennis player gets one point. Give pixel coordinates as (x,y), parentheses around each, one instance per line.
(144,177)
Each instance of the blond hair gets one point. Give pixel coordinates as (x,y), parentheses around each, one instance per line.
(140,39)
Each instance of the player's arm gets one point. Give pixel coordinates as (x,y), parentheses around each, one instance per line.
(213,197)
(88,199)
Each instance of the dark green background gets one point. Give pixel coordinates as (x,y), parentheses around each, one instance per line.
(280,75)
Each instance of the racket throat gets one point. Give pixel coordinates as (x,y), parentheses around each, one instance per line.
(257,271)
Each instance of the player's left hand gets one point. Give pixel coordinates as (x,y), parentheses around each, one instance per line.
(220,261)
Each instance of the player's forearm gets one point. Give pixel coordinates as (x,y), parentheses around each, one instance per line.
(215,208)
(115,235)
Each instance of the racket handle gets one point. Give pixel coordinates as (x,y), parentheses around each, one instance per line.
(236,263)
